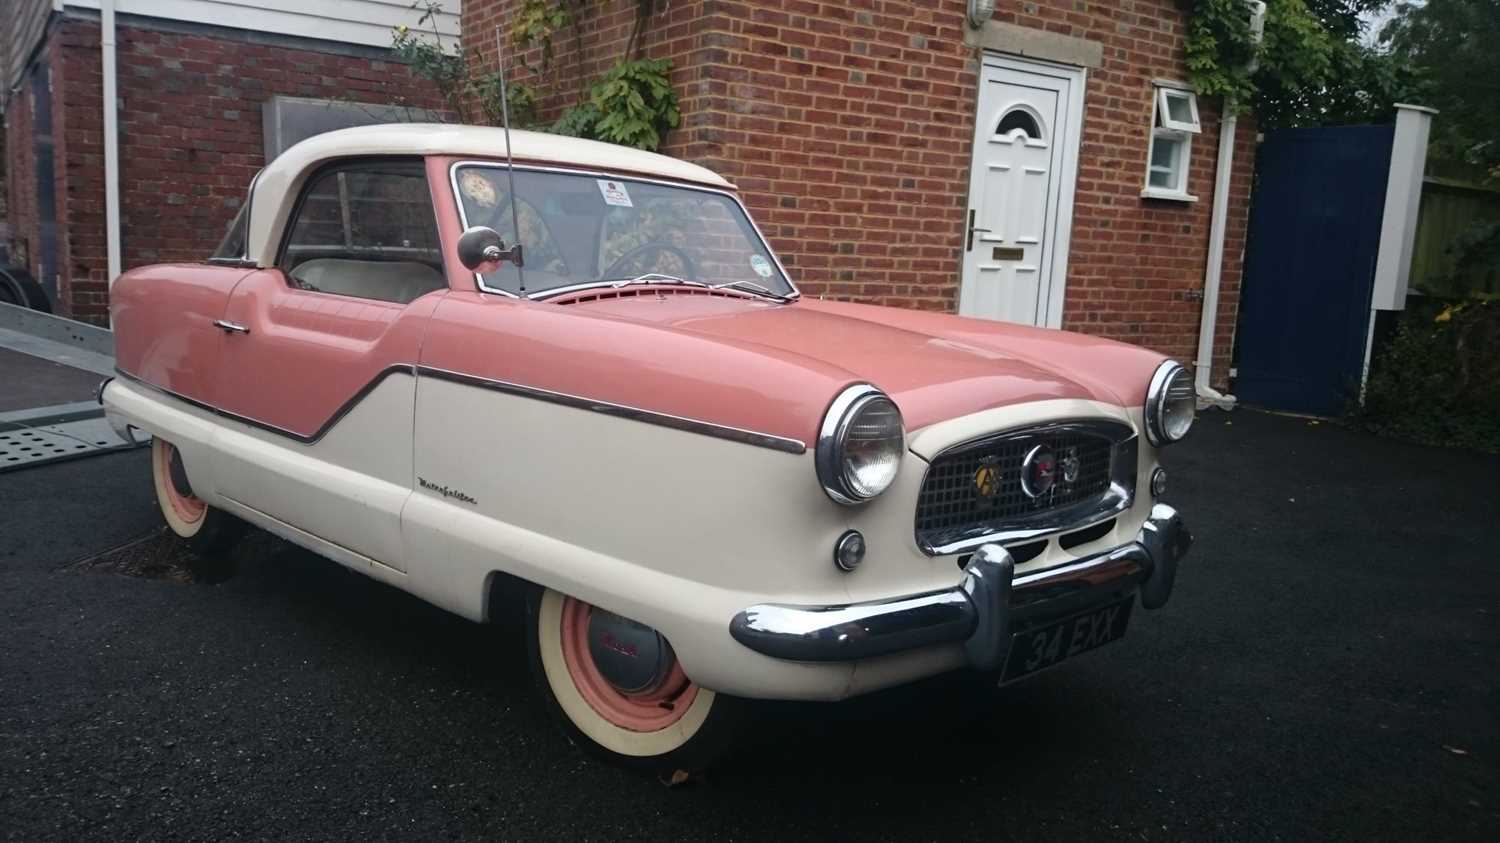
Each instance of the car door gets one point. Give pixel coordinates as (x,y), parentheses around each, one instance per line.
(317,373)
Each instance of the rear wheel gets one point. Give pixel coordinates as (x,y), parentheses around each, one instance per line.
(617,688)
(210,533)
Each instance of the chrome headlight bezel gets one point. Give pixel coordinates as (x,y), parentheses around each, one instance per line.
(1167,375)
(830,456)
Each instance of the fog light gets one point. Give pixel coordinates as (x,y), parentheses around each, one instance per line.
(1158,482)
(849,551)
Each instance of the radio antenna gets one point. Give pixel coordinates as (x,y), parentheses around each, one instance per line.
(510,162)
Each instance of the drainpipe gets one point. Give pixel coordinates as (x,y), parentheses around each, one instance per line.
(1207,395)
(1208,323)
(111,139)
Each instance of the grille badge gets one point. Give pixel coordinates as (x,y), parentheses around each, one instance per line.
(1070,465)
(987,479)
(1038,471)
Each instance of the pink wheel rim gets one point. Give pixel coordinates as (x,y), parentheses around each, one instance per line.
(647,711)
(189,508)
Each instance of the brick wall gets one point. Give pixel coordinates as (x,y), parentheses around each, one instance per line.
(849,127)
(190,140)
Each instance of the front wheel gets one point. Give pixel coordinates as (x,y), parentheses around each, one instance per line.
(616,688)
(208,532)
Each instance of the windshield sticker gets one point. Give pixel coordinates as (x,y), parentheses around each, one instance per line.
(478,188)
(614,193)
(761,266)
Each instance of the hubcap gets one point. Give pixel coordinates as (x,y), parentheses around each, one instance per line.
(630,656)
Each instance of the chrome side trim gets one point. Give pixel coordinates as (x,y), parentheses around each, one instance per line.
(575,171)
(734,434)
(982,612)
(1119,497)
(343,410)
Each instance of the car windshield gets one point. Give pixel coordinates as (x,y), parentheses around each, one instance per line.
(582,229)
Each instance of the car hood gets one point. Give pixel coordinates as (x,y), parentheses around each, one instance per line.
(934,366)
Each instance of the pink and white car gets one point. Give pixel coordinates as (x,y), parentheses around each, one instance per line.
(708,488)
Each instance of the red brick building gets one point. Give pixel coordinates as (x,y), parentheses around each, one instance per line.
(196,98)
(892,151)
(865,132)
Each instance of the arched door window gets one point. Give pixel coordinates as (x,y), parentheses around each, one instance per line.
(1020,119)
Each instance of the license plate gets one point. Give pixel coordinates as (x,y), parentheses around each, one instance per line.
(1041,648)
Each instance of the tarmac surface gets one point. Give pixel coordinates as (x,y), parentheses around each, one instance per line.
(1327,669)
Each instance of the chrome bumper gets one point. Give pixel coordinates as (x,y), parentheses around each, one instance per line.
(983,611)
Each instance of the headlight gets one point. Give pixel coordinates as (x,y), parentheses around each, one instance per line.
(860,445)
(1171,404)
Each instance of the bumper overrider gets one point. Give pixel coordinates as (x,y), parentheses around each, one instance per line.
(989,606)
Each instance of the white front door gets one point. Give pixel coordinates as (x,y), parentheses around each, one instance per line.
(1021,191)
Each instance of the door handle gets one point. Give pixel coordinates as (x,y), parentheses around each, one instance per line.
(231,327)
(969,241)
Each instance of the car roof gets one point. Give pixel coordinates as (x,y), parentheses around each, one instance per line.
(271,195)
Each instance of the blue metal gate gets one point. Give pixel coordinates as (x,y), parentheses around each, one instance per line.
(1309,267)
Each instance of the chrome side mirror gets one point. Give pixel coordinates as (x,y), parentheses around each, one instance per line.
(481,250)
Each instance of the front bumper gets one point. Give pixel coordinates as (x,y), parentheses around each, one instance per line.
(983,611)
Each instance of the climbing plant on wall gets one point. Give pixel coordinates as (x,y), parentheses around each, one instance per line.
(632,103)
(1313,67)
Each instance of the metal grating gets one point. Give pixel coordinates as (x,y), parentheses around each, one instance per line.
(25,446)
(950,503)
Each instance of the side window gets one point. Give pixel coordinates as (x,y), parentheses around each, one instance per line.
(1174,121)
(366,230)
(232,247)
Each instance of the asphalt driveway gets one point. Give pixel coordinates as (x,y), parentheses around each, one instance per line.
(1326,670)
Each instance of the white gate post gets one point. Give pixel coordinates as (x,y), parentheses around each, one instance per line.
(1398,224)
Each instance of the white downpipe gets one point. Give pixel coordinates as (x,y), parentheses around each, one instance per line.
(111,139)
(1216,231)
(1208,326)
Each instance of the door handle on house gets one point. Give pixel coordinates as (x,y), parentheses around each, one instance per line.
(230,327)
(969,244)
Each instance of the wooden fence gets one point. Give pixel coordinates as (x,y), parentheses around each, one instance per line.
(1452,202)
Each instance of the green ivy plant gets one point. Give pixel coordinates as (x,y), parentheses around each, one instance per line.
(535,22)
(1313,67)
(632,104)
(1223,61)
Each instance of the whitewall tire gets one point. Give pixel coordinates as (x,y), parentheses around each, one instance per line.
(210,533)
(659,720)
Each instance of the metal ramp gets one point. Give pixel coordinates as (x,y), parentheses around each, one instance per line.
(50,434)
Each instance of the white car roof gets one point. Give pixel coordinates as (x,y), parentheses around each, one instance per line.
(275,189)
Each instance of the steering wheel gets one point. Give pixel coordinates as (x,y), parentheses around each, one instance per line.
(689,268)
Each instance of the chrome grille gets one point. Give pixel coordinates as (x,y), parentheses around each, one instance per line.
(951,507)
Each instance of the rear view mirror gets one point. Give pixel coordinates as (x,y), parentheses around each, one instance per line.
(481,250)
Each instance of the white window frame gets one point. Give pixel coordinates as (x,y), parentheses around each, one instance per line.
(1164,96)
(1162,126)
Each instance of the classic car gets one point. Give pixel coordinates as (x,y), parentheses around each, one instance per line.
(707,488)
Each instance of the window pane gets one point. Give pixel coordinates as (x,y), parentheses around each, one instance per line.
(1019,118)
(366,231)
(232,247)
(582,230)
(1164,156)
(1179,107)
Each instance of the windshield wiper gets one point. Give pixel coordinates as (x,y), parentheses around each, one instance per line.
(753,287)
(654,278)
